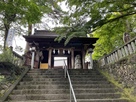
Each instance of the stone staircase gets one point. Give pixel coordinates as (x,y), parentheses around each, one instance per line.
(51,86)
(91,86)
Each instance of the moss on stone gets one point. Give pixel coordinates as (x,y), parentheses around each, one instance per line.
(125,92)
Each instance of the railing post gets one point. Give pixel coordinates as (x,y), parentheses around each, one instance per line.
(70,95)
(123,52)
(65,72)
(130,49)
(133,46)
(33,49)
(116,56)
(126,50)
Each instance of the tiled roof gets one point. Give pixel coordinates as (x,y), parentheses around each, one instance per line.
(45,33)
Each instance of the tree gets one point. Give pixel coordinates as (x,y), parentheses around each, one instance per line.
(21,11)
(25,12)
(106,19)
(110,37)
(89,15)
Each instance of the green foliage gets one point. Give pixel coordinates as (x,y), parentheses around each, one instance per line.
(8,74)
(93,14)
(111,36)
(25,12)
(7,56)
(18,11)
(105,19)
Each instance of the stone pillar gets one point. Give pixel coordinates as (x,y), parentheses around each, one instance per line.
(72,58)
(133,47)
(108,60)
(130,49)
(114,57)
(123,52)
(91,60)
(49,57)
(32,59)
(126,50)
(119,53)
(117,58)
(112,60)
(83,59)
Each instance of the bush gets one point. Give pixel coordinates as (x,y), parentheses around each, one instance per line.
(7,56)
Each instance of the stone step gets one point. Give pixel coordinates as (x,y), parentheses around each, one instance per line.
(60,70)
(59,91)
(89,79)
(62,100)
(57,73)
(55,82)
(39,97)
(78,79)
(93,86)
(79,100)
(41,91)
(60,75)
(82,73)
(73,79)
(51,86)
(102,100)
(97,95)
(64,86)
(44,79)
(63,96)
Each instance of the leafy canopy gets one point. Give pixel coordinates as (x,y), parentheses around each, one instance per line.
(105,19)
(86,16)
(24,12)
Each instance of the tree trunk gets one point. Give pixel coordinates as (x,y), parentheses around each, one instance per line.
(7,26)
(29,33)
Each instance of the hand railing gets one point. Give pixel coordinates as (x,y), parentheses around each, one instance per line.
(66,75)
(120,53)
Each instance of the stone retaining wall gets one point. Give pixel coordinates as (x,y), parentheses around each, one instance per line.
(123,71)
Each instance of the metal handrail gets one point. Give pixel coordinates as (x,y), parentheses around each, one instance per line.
(66,74)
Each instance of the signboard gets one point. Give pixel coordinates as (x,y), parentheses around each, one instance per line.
(10,37)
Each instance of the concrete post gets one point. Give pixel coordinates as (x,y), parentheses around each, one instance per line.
(32,59)
(133,47)
(83,59)
(49,57)
(130,49)
(126,50)
(72,58)
(91,60)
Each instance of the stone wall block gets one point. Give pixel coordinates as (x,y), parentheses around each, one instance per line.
(132,60)
(124,71)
